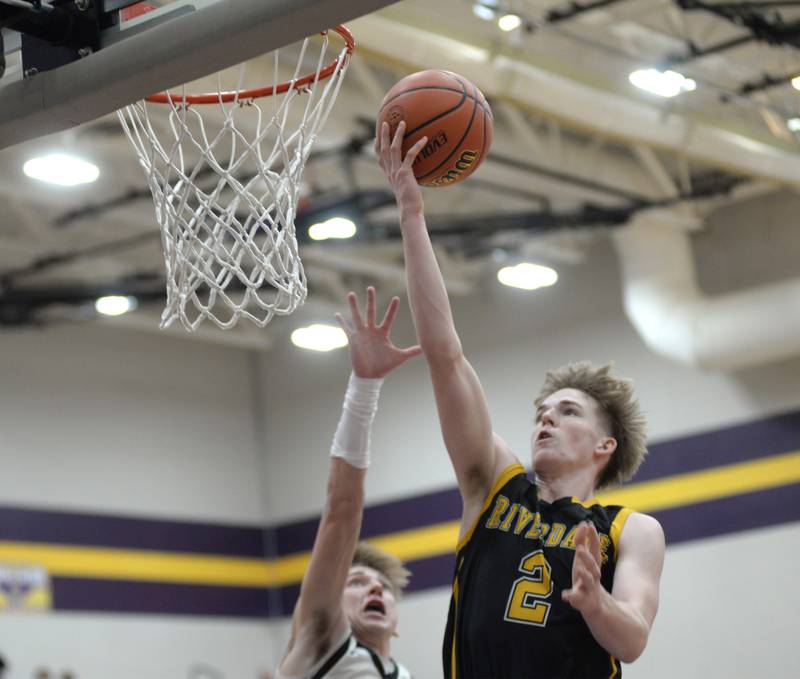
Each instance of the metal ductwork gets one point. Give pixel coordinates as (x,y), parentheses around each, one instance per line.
(677,320)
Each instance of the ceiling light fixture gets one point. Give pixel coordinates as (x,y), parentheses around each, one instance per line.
(319,337)
(61,169)
(115,305)
(484,10)
(796,82)
(793,124)
(527,276)
(662,83)
(509,22)
(335,227)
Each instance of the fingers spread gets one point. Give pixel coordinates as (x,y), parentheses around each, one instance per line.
(416,350)
(384,145)
(594,542)
(348,330)
(355,312)
(370,306)
(390,315)
(581,534)
(413,152)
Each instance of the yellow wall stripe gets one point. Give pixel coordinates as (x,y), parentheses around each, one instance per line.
(121,564)
(709,484)
(417,543)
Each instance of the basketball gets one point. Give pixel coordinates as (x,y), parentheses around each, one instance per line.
(451,112)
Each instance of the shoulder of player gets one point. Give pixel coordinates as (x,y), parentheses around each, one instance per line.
(317,636)
(485,484)
(506,467)
(641,531)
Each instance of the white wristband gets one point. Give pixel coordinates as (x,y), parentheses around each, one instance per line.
(352,438)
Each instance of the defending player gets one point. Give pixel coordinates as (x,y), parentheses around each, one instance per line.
(346,614)
(548,582)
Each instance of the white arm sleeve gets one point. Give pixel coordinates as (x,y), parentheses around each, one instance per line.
(352,439)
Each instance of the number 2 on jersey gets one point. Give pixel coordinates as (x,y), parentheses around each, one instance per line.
(525,604)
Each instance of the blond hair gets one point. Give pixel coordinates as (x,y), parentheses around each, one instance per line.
(619,409)
(387,565)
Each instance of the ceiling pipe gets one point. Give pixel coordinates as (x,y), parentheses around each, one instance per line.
(677,320)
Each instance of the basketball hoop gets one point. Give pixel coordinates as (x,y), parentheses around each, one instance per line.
(225,181)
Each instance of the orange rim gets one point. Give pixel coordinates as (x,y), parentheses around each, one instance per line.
(227,97)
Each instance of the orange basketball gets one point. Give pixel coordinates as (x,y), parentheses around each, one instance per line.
(452,113)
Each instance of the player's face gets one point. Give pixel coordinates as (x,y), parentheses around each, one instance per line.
(369,603)
(568,432)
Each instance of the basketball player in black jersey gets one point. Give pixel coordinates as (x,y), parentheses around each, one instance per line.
(346,614)
(548,583)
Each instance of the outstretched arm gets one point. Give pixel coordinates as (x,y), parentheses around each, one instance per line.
(319,618)
(619,621)
(478,456)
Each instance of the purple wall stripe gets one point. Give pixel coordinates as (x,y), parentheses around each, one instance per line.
(751,511)
(386,517)
(123,596)
(762,509)
(32,525)
(750,441)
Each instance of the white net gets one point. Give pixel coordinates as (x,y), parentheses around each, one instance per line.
(225,180)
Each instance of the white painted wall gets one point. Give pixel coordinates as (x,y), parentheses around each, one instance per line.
(99,420)
(94,418)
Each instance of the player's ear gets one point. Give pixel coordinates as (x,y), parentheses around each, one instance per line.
(605,447)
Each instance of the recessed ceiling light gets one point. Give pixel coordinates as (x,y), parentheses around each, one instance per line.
(483,11)
(508,22)
(61,169)
(796,82)
(662,83)
(319,337)
(114,305)
(335,227)
(527,276)
(793,124)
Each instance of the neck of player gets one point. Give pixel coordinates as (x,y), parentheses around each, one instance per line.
(378,642)
(579,483)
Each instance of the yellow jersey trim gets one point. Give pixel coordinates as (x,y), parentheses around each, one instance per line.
(616,528)
(455,627)
(502,480)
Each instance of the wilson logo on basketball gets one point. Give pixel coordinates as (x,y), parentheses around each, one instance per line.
(433,145)
(463,164)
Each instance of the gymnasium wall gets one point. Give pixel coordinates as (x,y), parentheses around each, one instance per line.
(142,444)
(185,452)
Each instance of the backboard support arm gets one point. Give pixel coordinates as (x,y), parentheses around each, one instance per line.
(177,43)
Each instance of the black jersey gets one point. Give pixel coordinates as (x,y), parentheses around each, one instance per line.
(507,619)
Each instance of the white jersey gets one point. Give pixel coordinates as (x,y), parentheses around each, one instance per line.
(350,660)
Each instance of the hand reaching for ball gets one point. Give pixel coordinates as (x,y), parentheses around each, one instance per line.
(398,170)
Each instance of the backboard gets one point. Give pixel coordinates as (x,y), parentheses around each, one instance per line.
(178,42)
